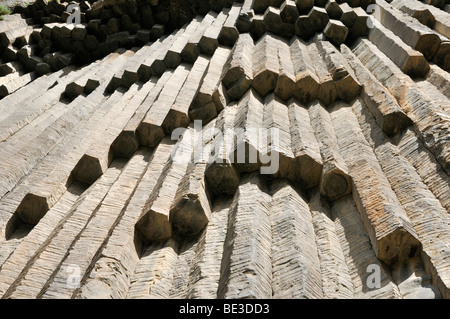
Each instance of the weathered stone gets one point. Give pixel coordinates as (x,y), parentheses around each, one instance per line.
(308,166)
(150,130)
(99,156)
(249,117)
(360,27)
(304,6)
(442,57)
(191,208)
(417,11)
(156,31)
(348,16)
(253,201)
(307,82)
(436,19)
(9,68)
(9,36)
(178,115)
(79,32)
(333,9)
(147,68)
(238,73)
(327,92)
(335,273)
(249,229)
(143,36)
(439,78)
(413,33)
(53,254)
(412,99)
(204,106)
(221,173)
(410,61)
(120,257)
(286,85)
(348,225)
(336,31)
(210,39)
(272,20)
(128,140)
(85,247)
(192,50)
(265,65)
(93,25)
(289,12)
(381,103)
(154,225)
(91,42)
(160,257)
(38,201)
(229,33)
(415,199)
(393,238)
(278,140)
(173,56)
(258,27)
(345,81)
(307,25)
(335,181)
(261,5)
(295,270)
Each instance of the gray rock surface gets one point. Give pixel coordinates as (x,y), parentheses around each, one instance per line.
(135,149)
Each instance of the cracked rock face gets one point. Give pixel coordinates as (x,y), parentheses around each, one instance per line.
(225,149)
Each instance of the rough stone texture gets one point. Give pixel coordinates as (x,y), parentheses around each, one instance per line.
(306,79)
(386,221)
(238,74)
(335,181)
(336,31)
(295,268)
(265,64)
(134,150)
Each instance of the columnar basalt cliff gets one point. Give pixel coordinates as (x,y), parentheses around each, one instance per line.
(225,149)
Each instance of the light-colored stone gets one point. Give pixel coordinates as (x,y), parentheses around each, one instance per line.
(336,280)
(205,105)
(411,31)
(390,230)
(247,271)
(382,104)
(295,267)
(238,72)
(150,130)
(154,223)
(410,61)
(345,81)
(265,64)
(335,181)
(305,147)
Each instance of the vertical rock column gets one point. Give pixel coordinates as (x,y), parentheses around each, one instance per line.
(308,164)
(295,262)
(238,74)
(335,181)
(391,233)
(345,81)
(154,223)
(246,263)
(306,79)
(336,279)
(265,64)
(191,208)
(423,209)
(221,173)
